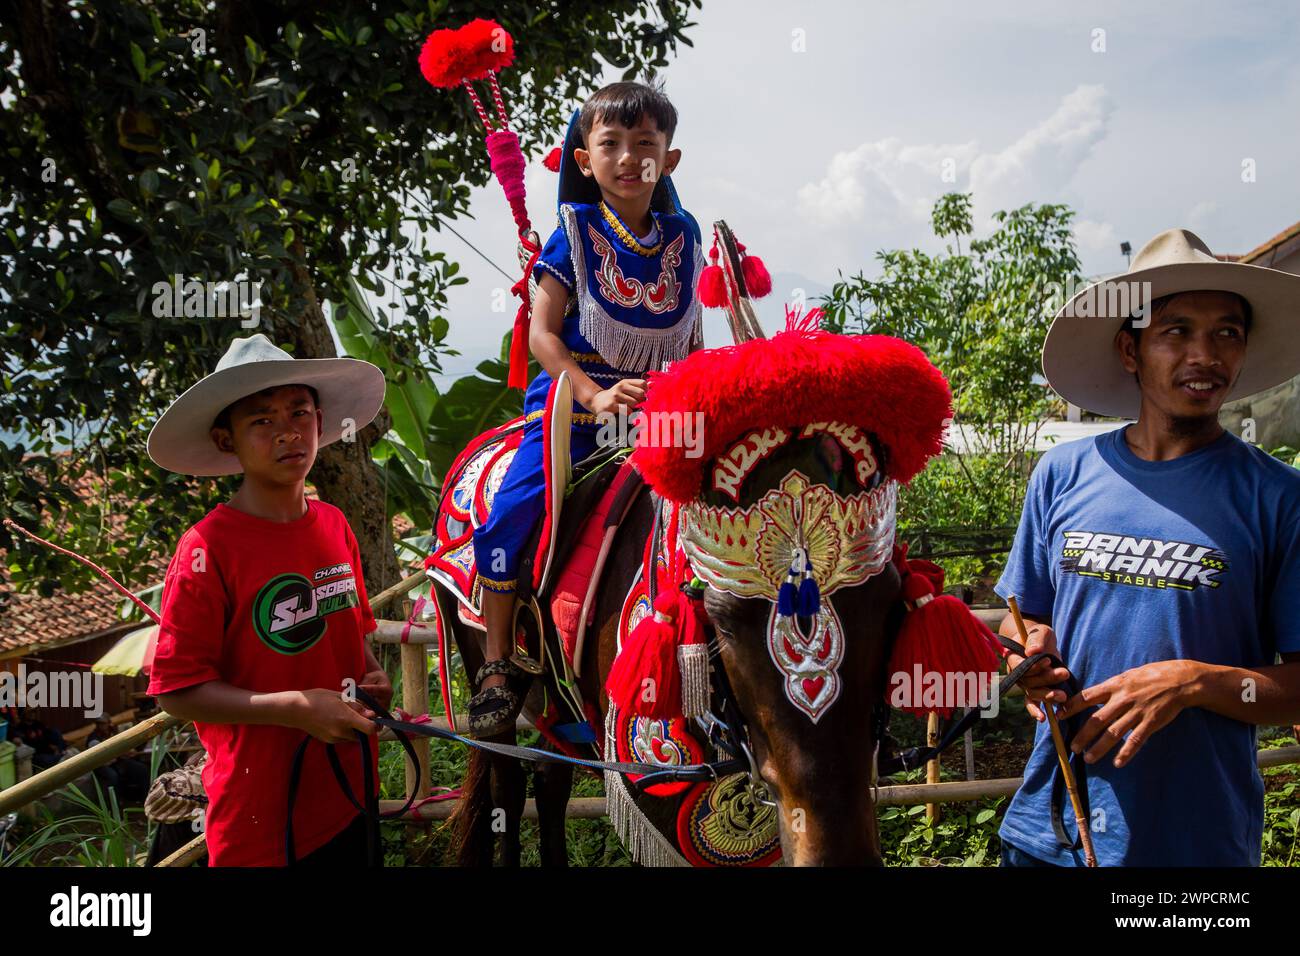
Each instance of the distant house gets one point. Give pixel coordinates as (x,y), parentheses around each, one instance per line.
(66,632)
(69,632)
(1275,413)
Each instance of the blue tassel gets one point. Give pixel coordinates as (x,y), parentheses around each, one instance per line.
(785,599)
(810,599)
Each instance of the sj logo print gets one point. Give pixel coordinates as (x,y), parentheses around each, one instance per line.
(289,611)
(1142,562)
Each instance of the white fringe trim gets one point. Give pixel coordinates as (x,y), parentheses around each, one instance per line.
(693,661)
(624,346)
(646,844)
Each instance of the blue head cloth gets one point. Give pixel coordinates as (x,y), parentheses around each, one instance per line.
(575,187)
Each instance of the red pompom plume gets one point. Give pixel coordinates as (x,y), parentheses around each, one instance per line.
(881,384)
(552,160)
(450,57)
(644,679)
(939,636)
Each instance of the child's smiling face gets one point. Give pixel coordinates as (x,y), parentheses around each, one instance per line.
(627,161)
(274,434)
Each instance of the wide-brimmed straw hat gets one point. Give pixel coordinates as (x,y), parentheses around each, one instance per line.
(1082,364)
(351,392)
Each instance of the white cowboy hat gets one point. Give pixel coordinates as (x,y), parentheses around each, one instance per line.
(350,390)
(1079,356)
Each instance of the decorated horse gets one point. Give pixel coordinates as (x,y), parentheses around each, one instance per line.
(708,608)
(739,599)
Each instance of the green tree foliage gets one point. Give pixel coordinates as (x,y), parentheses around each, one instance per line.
(980,311)
(280,142)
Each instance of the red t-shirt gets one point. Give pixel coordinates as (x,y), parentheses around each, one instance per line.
(266,606)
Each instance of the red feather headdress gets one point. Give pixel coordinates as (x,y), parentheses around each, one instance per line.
(802,375)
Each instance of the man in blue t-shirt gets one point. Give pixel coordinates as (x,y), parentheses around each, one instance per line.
(1161,563)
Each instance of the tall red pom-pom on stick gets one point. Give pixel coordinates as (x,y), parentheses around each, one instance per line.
(476,51)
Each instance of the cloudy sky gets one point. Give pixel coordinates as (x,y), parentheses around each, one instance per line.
(822,132)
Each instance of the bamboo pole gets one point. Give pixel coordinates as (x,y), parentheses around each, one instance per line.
(932,766)
(397,590)
(390,632)
(415,699)
(195,850)
(61,774)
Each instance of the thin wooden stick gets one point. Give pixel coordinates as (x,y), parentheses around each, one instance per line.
(1062,757)
(153,615)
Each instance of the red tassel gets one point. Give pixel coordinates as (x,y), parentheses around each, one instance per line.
(758,282)
(552,160)
(942,636)
(713,287)
(647,664)
(939,635)
(518,377)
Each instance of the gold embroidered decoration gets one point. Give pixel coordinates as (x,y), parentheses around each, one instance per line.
(577,418)
(839,540)
(748,551)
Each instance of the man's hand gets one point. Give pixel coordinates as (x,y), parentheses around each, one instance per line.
(1042,676)
(627,393)
(329,718)
(1137,702)
(377,685)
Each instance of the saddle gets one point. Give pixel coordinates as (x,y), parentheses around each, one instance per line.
(564,557)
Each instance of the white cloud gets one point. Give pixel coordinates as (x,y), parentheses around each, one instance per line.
(885,182)
(889,182)
(1038,166)
(1095,238)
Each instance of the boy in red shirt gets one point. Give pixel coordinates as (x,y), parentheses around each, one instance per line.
(264,611)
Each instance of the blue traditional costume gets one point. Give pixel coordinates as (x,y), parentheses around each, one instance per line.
(632,308)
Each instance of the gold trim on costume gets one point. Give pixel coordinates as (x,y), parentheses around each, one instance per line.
(749,551)
(578,418)
(500,587)
(626,237)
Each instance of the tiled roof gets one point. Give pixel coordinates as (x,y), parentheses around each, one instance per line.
(1287,237)
(30,622)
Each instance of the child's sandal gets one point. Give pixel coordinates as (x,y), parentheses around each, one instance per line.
(493,710)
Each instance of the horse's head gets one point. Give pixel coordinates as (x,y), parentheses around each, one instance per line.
(788,515)
(815,517)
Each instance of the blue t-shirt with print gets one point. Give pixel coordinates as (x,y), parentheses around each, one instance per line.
(1139,561)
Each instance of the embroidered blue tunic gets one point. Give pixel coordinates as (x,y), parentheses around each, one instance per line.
(633,307)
